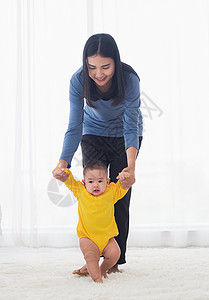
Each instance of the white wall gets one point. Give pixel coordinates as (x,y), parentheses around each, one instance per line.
(167,44)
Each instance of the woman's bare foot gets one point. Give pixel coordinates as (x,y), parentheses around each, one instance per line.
(82,271)
(114,269)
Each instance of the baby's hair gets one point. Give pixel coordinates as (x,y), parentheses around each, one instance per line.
(94,164)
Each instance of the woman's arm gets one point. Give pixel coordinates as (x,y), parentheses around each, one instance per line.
(132,120)
(74,132)
(75,126)
(131,153)
(132,126)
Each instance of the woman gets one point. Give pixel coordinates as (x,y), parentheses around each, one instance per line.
(109,126)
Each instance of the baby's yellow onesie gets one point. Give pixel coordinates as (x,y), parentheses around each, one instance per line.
(96,213)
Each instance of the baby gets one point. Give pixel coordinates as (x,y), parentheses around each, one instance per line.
(96,227)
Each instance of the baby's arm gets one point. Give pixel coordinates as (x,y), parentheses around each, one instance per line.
(120,187)
(73,185)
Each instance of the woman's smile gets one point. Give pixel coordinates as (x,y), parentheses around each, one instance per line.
(101,79)
(101,70)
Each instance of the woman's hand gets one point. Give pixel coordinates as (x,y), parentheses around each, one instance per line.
(127,177)
(131,153)
(59,172)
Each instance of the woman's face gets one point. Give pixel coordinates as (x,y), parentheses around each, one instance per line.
(101,70)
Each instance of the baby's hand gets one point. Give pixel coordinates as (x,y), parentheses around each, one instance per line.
(123,179)
(61,174)
(66,170)
(126,179)
(123,176)
(129,178)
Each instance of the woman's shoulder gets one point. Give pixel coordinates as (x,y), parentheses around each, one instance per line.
(129,72)
(131,81)
(129,76)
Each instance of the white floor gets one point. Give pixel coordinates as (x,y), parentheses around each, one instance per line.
(150,274)
(7,253)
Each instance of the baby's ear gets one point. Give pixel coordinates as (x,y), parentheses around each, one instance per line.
(83,182)
(108,181)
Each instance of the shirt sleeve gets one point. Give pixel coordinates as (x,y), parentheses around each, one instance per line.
(75,186)
(118,191)
(132,121)
(75,127)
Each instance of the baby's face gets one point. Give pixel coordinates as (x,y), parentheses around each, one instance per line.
(96,181)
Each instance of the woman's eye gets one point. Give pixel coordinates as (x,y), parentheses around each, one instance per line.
(105,68)
(91,68)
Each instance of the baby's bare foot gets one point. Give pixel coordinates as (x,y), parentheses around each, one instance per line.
(98,280)
(103,273)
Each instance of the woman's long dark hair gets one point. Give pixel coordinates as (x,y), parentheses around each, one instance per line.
(104,45)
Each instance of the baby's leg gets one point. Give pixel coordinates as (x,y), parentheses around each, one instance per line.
(92,256)
(111,255)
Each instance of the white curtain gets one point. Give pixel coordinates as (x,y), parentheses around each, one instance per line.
(167,43)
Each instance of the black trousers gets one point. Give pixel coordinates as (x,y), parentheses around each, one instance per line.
(111,151)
